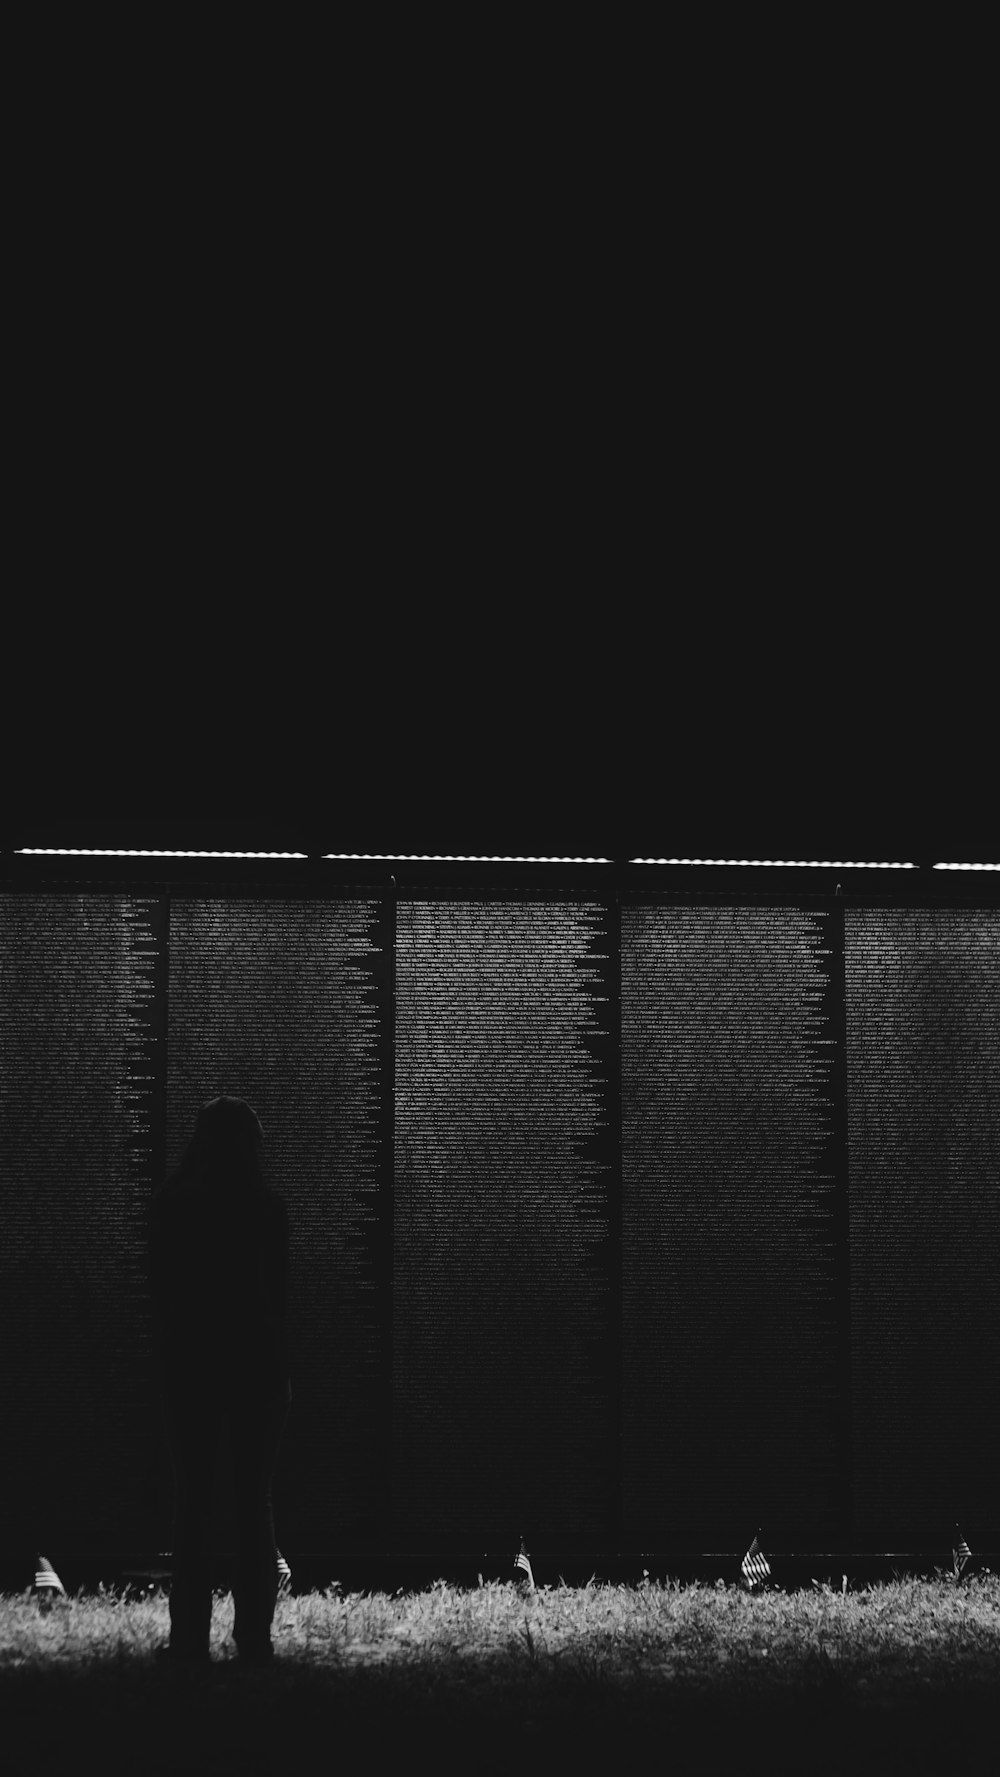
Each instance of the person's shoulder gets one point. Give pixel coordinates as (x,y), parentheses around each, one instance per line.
(176,1204)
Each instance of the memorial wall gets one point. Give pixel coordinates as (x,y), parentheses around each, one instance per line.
(734,1401)
(81,1046)
(286,1003)
(923,1094)
(620,1222)
(504,1387)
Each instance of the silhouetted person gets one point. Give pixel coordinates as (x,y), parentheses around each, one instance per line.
(218,1253)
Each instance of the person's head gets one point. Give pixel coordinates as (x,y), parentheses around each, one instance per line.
(227,1145)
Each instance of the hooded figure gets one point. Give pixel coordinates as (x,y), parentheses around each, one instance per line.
(218,1259)
(219,1256)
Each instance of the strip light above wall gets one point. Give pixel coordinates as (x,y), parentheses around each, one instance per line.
(367,857)
(96,851)
(774,863)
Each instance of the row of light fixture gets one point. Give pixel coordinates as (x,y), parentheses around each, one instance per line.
(451,858)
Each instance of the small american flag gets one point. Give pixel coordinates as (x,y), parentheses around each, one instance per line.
(754,1567)
(284,1574)
(523,1565)
(961,1553)
(46,1577)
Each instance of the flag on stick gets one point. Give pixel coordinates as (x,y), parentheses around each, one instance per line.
(754,1567)
(522,1564)
(47,1582)
(284,1574)
(961,1554)
(46,1577)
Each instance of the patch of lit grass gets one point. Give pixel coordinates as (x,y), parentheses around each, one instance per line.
(696,1630)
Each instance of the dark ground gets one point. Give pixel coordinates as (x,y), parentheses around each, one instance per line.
(137,1717)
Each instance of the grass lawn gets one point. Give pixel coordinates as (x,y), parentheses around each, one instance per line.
(902,1677)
